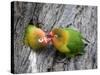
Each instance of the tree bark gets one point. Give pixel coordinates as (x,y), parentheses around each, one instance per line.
(83,18)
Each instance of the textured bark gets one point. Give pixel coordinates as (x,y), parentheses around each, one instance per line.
(83,18)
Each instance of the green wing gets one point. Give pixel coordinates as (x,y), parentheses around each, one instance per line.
(75,44)
(27,31)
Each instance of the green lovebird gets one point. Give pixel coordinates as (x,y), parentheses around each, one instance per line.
(68,41)
(34,37)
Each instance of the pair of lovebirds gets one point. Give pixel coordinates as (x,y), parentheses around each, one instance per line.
(66,40)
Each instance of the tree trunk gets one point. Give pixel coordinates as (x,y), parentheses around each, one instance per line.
(83,18)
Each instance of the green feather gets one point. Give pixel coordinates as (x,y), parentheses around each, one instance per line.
(75,43)
(68,41)
(27,31)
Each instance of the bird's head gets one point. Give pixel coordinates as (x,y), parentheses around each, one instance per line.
(42,39)
(57,35)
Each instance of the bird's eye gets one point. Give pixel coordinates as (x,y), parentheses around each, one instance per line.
(56,36)
(40,40)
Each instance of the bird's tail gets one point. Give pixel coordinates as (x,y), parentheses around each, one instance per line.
(86,41)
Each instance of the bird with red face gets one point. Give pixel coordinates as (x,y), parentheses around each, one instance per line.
(35,37)
(67,41)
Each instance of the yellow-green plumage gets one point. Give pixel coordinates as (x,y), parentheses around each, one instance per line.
(68,41)
(32,35)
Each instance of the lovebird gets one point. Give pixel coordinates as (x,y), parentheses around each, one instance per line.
(68,41)
(34,37)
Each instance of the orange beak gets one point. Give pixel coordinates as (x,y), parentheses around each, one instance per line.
(49,37)
(47,40)
(51,34)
